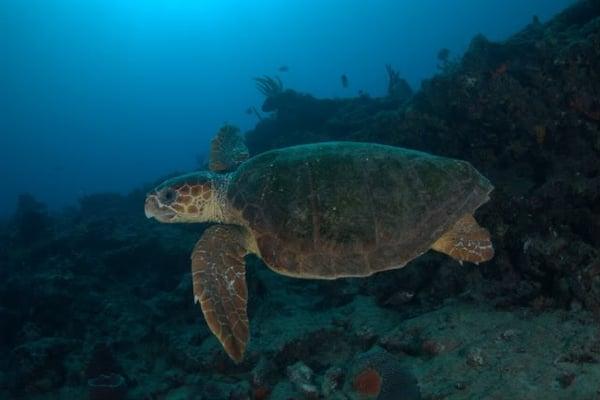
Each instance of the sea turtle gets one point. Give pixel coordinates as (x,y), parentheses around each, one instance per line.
(324,211)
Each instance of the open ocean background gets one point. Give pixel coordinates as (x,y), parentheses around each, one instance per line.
(106,95)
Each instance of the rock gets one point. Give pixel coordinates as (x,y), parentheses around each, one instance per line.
(475,357)
(432,347)
(107,387)
(40,362)
(367,336)
(332,381)
(241,391)
(401,341)
(183,393)
(509,334)
(263,369)
(309,391)
(300,375)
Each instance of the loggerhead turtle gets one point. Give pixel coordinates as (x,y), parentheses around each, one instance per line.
(323,211)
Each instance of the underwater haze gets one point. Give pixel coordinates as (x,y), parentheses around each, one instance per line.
(107,95)
(299,200)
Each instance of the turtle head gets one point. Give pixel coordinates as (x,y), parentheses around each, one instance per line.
(195,197)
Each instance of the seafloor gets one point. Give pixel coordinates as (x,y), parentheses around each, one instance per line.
(95,301)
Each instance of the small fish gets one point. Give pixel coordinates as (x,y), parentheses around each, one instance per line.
(283,68)
(344,79)
(249,111)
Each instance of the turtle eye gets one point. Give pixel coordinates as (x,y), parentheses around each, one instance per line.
(168,196)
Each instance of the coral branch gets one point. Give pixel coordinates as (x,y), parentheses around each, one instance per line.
(269,86)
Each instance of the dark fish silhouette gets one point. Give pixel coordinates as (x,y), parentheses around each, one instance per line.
(283,68)
(344,79)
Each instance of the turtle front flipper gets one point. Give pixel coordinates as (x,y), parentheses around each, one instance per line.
(219,282)
(466,241)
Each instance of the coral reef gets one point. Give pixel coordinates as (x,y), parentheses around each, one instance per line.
(103,304)
(398,88)
(227,137)
(525,113)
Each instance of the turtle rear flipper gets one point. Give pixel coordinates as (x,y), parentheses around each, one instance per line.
(227,150)
(466,241)
(219,282)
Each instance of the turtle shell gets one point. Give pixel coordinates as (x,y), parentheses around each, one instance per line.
(337,209)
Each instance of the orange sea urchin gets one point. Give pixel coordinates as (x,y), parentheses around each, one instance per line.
(379,375)
(367,382)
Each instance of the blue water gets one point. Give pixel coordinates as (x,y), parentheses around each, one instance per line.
(106,95)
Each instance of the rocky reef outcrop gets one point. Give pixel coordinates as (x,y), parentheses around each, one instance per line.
(526,113)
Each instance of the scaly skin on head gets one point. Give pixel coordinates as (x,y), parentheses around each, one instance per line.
(195,197)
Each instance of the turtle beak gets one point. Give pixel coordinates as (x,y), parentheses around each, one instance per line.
(149,207)
(153,209)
